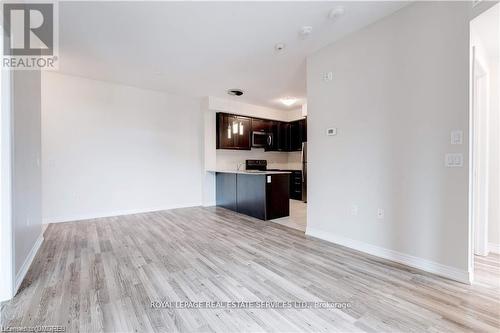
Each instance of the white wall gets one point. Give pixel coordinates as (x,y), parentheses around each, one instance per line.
(111,149)
(26,173)
(400,86)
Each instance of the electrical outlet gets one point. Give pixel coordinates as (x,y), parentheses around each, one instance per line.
(354,210)
(28,221)
(454,160)
(380,213)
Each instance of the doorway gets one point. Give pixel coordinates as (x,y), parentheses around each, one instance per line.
(297,218)
(484,231)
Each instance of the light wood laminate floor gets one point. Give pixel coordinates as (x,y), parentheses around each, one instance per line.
(297,218)
(101,275)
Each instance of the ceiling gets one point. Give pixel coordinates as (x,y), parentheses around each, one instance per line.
(205,48)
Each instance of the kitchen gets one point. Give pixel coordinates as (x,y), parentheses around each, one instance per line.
(262,167)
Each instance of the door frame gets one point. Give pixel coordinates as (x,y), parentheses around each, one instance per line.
(478,228)
(480,158)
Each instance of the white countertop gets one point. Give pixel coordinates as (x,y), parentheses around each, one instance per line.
(252,172)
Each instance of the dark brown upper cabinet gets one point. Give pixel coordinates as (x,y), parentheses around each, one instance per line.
(283,136)
(233,132)
(298,134)
(303,129)
(261,125)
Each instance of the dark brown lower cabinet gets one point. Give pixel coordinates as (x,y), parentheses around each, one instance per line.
(225,184)
(296,185)
(261,196)
(277,194)
(251,196)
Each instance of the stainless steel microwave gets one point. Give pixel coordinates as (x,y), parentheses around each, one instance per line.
(261,139)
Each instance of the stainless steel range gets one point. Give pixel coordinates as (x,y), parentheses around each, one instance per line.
(260,165)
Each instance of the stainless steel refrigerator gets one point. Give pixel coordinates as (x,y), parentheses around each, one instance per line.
(304,171)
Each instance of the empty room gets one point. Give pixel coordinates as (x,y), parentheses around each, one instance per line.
(250,166)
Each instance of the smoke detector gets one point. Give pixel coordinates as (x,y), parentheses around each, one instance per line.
(336,12)
(305,31)
(235,92)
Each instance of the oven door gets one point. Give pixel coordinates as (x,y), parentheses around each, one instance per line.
(259,139)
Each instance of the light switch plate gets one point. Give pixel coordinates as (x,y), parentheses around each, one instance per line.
(268,179)
(454,160)
(457,137)
(331,131)
(327,76)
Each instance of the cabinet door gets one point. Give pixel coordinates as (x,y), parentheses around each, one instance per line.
(233,132)
(277,194)
(225,136)
(242,138)
(295,138)
(284,136)
(296,185)
(303,129)
(261,125)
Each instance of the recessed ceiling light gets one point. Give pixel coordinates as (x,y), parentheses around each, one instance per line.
(235,92)
(288,101)
(279,47)
(336,12)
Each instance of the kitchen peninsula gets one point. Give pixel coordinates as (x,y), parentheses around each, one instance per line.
(257,193)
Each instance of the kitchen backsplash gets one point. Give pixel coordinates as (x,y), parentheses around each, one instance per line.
(229,159)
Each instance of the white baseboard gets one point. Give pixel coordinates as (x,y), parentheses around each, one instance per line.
(402,258)
(27,263)
(80,217)
(495,248)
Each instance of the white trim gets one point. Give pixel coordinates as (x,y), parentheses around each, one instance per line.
(402,258)
(493,247)
(6,232)
(81,217)
(27,263)
(480,158)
